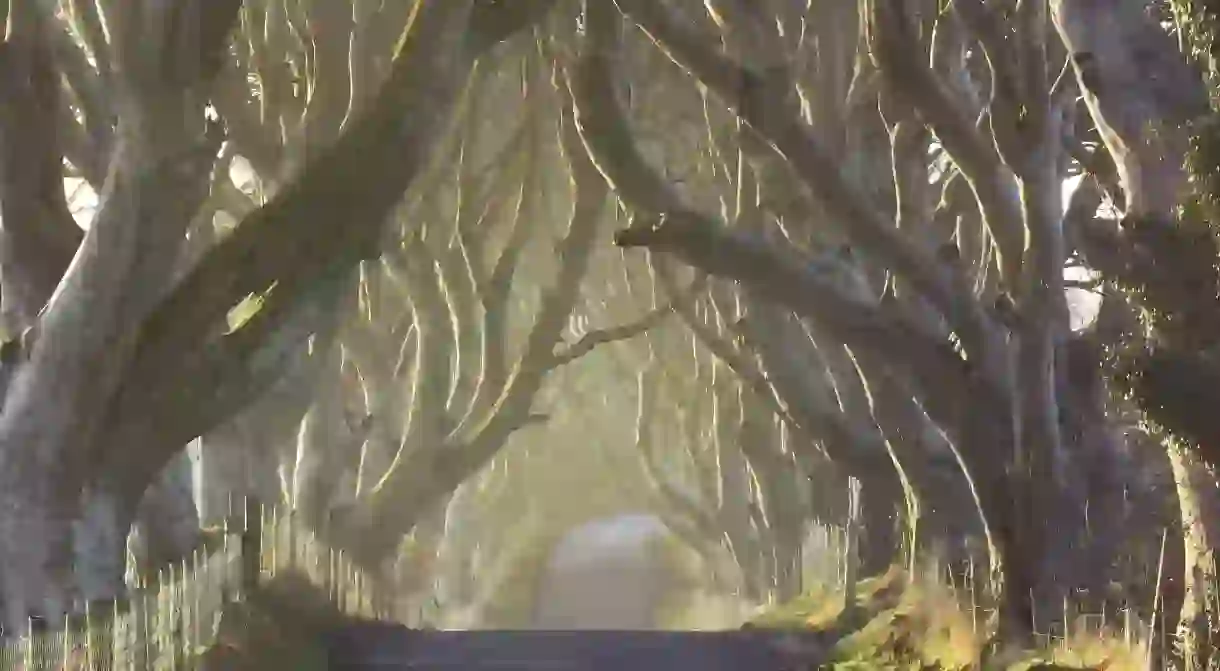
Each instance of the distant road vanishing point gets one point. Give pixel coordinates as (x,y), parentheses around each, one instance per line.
(595,611)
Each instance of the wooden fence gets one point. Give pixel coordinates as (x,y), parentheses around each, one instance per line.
(168,623)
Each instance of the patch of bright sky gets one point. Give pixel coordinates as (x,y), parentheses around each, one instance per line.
(1082,304)
(83,200)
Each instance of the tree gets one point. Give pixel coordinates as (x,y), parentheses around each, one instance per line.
(984,346)
(1158,127)
(114,375)
(854,215)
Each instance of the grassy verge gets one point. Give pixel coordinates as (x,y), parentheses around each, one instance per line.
(898,624)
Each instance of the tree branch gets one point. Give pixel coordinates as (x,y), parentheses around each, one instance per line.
(753,99)
(897,53)
(328,210)
(594,339)
(40,236)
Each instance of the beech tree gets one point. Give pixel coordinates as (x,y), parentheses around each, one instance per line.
(125,356)
(972,320)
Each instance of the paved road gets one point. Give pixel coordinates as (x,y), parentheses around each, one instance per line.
(380,646)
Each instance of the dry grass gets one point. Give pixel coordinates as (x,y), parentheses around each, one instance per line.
(900,624)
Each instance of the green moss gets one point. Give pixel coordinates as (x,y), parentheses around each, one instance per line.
(1200,21)
(815,609)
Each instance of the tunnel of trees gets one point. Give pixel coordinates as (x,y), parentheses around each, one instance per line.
(346,256)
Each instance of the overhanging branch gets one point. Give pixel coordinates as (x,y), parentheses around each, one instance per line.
(594,339)
(39,234)
(754,99)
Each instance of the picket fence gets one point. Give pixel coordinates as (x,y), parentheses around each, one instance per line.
(171,621)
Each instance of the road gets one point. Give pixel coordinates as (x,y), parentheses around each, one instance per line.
(376,646)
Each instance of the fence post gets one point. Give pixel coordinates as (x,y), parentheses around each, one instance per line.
(195,600)
(145,629)
(121,651)
(290,537)
(851,556)
(272,553)
(331,574)
(29,644)
(172,624)
(66,648)
(251,545)
(88,640)
(159,612)
(341,582)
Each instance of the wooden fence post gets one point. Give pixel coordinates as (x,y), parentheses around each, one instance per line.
(251,545)
(145,631)
(29,645)
(66,648)
(121,650)
(197,631)
(89,639)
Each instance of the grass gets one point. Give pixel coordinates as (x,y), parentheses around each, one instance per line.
(899,624)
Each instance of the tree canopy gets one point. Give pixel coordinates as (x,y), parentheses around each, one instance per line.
(358,252)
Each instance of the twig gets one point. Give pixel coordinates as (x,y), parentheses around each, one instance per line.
(594,339)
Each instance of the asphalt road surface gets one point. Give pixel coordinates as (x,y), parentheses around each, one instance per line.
(379,646)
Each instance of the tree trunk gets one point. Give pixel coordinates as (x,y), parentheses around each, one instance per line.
(238,460)
(878,543)
(456,583)
(1199,498)
(167,522)
(735,500)
(119,372)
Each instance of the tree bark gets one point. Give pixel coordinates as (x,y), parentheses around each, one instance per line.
(1199,498)
(1143,96)
(167,522)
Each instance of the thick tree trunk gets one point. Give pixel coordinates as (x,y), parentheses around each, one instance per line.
(167,521)
(120,376)
(50,429)
(456,561)
(1143,95)
(1199,498)
(238,461)
(878,545)
(99,547)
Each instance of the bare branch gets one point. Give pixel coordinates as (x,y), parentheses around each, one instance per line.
(89,143)
(328,210)
(1140,91)
(753,98)
(594,339)
(88,22)
(897,53)
(40,236)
